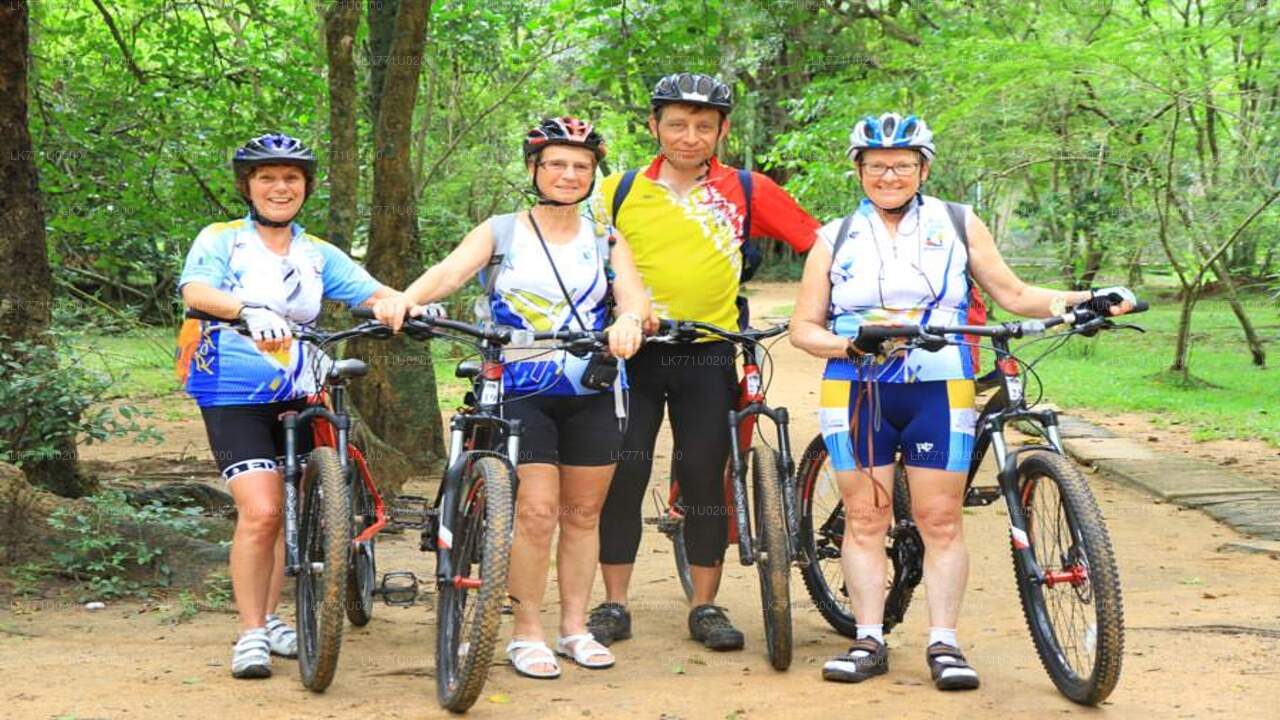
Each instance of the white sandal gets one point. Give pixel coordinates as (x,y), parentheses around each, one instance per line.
(581,648)
(524,654)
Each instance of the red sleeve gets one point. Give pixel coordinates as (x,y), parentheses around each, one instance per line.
(775,214)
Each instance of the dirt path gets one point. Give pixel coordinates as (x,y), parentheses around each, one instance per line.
(59,660)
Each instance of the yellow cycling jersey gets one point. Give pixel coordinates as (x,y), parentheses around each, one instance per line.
(687,249)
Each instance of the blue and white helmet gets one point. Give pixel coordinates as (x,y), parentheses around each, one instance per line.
(891,130)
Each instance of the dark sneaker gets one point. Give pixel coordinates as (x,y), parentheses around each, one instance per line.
(709,625)
(608,622)
(949,669)
(867,657)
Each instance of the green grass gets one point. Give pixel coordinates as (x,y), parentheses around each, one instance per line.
(139,362)
(1125,371)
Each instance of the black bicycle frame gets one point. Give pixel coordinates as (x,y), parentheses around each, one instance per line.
(753,354)
(1009,405)
(293,469)
(481,432)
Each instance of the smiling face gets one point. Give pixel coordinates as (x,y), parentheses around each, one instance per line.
(277,191)
(892,189)
(688,134)
(564,173)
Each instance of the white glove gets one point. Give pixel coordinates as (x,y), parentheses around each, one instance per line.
(430,310)
(1123,293)
(264,324)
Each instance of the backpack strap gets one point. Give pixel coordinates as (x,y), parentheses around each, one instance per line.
(620,194)
(744,179)
(841,236)
(504,233)
(959,216)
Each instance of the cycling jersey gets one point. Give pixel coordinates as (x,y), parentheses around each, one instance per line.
(222,367)
(527,296)
(918,275)
(687,249)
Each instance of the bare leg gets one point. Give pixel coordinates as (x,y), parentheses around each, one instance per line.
(582,493)
(258,496)
(537,510)
(937,504)
(862,558)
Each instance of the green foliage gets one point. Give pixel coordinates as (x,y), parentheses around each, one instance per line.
(47,399)
(104,546)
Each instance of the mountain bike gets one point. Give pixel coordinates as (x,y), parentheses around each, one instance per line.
(1064,565)
(329,535)
(470,522)
(770,511)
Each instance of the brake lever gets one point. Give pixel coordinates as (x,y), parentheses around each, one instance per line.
(1127,326)
(930,343)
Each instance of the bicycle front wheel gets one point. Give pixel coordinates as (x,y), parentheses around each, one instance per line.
(773,559)
(470,603)
(324,540)
(1074,611)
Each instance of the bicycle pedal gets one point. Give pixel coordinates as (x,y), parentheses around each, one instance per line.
(977,496)
(411,512)
(398,588)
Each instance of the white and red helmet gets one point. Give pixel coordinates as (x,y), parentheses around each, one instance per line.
(564,131)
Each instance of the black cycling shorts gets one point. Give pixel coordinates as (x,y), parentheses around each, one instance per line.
(251,437)
(566,429)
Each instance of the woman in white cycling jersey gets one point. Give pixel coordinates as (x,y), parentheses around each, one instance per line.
(555,275)
(901,258)
(267,271)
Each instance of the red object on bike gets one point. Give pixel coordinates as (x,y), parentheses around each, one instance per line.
(327,436)
(1075,575)
(1008,366)
(491,371)
(469,583)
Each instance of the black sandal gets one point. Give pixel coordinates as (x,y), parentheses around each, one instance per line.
(853,668)
(949,669)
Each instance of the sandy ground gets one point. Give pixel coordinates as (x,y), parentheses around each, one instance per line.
(1202,634)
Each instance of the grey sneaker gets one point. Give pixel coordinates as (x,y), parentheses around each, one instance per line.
(284,641)
(251,658)
(609,622)
(709,625)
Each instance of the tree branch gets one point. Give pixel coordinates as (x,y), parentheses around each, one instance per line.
(208,193)
(115,33)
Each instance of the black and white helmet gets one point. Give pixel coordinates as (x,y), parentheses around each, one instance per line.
(891,130)
(692,89)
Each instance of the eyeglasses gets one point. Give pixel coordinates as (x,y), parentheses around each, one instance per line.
(560,167)
(901,169)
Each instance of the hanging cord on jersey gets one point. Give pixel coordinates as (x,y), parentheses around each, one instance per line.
(868,387)
(620,401)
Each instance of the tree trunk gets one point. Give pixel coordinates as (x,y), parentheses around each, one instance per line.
(340,23)
(1182,349)
(1256,350)
(26,285)
(398,398)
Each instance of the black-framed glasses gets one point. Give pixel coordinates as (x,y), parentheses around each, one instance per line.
(902,169)
(560,167)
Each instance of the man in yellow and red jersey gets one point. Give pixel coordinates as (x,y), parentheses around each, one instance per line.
(688,219)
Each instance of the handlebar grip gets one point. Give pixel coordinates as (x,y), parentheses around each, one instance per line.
(880,333)
(363,312)
(1141,306)
(201,315)
(665,325)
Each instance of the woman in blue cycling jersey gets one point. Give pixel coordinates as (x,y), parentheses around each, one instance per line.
(902,257)
(267,271)
(554,275)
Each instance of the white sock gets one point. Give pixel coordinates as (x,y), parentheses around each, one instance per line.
(947,636)
(869,631)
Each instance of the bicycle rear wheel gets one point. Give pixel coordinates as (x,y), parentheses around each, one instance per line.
(822,536)
(470,604)
(673,528)
(362,572)
(1075,614)
(324,539)
(773,559)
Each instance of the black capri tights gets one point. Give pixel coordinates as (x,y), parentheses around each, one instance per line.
(698,383)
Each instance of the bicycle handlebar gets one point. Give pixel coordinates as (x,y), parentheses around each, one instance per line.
(688,330)
(933,337)
(318,337)
(424,328)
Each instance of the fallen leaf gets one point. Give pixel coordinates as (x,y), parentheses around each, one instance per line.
(499,699)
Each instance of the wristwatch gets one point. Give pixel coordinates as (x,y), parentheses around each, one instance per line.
(631,316)
(1058,305)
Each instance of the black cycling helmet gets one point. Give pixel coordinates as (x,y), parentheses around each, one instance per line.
(692,89)
(564,130)
(272,149)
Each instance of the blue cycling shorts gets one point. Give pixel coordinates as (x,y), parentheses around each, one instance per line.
(932,423)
